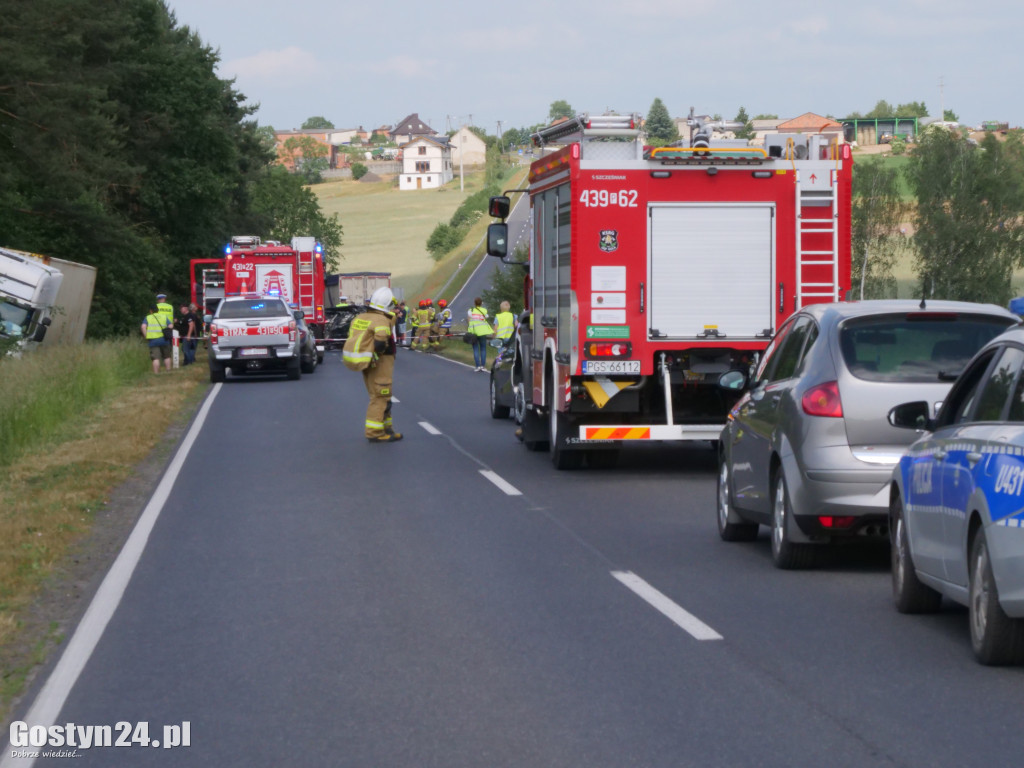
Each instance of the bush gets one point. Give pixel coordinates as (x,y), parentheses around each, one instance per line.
(359,170)
(443,239)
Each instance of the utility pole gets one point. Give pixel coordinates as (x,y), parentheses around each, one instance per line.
(501,146)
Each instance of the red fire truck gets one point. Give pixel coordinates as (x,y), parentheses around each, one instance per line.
(295,272)
(652,272)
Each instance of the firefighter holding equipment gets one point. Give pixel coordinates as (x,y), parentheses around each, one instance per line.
(370,349)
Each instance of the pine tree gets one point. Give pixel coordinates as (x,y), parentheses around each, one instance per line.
(660,127)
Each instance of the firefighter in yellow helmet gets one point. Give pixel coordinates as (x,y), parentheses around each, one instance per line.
(370,348)
(422,322)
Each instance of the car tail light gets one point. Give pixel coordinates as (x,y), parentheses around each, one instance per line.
(828,521)
(823,400)
(291,331)
(214,333)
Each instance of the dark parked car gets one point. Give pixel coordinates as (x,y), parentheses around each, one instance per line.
(507,396)
(307,345)
(808,451)
(957,502)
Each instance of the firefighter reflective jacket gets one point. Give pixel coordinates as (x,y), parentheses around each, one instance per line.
(366,330)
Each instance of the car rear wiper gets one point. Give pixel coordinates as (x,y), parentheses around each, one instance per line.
(949,376)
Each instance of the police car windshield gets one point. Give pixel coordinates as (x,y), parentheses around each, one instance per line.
(231,310)
(915,348)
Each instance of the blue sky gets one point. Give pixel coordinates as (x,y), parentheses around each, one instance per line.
(370,64)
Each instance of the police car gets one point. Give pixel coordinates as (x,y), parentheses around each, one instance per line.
(957,502)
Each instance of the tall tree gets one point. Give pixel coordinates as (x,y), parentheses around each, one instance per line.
(878,211)
(316,122)
(560,109)
(307,156)
(882,109)
(120,147)
(660,127)
(747,131)
(970,201)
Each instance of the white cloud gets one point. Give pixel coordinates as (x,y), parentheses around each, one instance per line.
(275,66)
(406,66)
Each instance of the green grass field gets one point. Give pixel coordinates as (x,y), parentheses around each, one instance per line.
(386,230)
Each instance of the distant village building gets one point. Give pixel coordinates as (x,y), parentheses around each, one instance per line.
(288,158)
(467,148)
(410,128)
(426,163)
(809,122)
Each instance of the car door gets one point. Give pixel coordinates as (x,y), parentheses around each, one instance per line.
(927,464)
(758,416)
(973,460)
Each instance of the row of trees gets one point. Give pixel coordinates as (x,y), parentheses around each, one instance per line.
(121,148)
(967,211)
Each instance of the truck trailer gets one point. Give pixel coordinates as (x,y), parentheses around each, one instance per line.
(653,271)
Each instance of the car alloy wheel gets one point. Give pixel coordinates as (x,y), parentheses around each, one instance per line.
(728,530)
(786,554)
(908,593)
(995,637)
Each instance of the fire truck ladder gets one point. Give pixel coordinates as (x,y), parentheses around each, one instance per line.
(812,264)
(307,294)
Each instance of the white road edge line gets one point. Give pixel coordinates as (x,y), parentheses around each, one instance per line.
(46,708)
(430,427)
(503,484)
(684,619)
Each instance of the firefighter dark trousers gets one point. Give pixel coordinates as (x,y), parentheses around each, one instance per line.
(378,385)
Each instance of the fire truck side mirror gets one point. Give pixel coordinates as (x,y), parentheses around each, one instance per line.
(499,207)
(497,239)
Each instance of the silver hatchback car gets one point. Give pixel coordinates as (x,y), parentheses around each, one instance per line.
(808,450)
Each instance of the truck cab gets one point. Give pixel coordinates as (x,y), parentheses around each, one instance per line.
(28,294)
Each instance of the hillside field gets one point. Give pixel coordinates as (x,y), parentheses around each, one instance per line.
(386,230)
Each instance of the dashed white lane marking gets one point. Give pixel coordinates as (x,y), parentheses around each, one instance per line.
(430,428)
(684,619)
(503,484)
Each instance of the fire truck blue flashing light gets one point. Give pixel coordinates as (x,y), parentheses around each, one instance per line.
(227,248)
(319,248)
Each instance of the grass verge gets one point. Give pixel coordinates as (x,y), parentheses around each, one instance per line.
(75,423)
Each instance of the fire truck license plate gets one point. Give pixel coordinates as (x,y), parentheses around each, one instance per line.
(252,351)
(611,366)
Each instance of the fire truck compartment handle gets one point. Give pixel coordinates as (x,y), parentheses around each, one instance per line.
(641,298)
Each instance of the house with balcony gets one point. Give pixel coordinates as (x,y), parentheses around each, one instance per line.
(426,163)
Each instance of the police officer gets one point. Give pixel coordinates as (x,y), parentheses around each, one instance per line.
(165,309)
(153,332)
(371,349)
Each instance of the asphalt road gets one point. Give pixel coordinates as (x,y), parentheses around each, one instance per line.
(480,280)
(305,598)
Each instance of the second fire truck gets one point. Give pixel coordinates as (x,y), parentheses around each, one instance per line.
(652,272)
(293,271)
